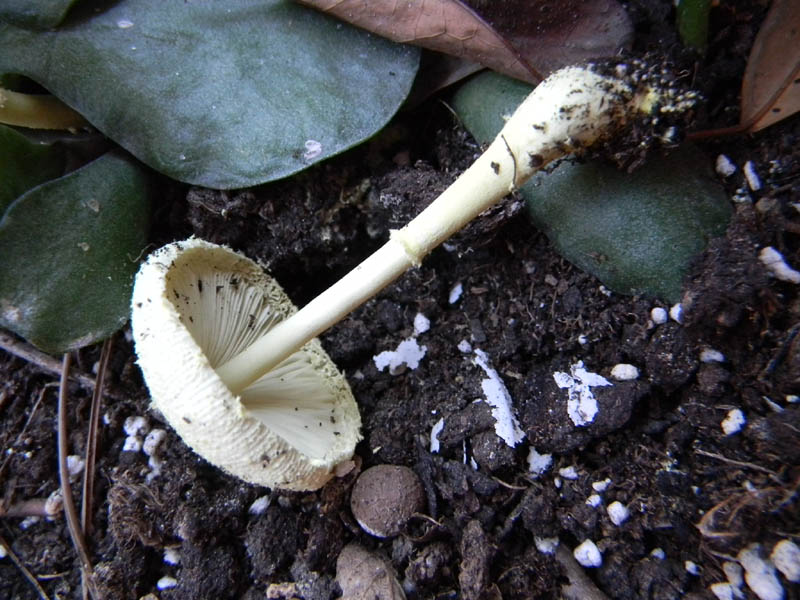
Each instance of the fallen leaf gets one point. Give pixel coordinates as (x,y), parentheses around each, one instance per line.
(219,94)
(69,249)
(525,40)
(771,84)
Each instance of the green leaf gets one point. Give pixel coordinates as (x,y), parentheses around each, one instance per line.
(25,164)
(221,94)
(36,14)
(69,251)
(637,232)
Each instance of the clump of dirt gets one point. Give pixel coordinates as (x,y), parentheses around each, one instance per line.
(500,300)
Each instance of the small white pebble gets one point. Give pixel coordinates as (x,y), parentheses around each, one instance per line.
(618,513)
(153,441)
(786,558)
(777,266)
(538,464)
(792,398)
(658,553)
(465,347)
(172,556)
(546,545)
(601,486)
(709,355)
(725,166)
(588,555)
(691,567)
(760,574)
(557,482)
(28,522)
(624,372)
(3,551)
(605,291)
(594,500)
(259,505)
(133,443)
(568,472)
(455,293)
(676,313)
(659,315)
(753,181)
(435,431)
(734,422)
(421,324)
(75,465)
(166,583)
(583,340)
(135,426)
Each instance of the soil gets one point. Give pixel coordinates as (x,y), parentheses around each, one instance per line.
(696,496)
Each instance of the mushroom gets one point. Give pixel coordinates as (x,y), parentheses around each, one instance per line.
(195,305)
(238,373)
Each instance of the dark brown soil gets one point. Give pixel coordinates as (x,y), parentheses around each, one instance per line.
(693,492)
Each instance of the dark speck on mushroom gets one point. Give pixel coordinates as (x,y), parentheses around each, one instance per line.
(200,285)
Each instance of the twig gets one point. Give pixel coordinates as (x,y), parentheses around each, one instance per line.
(18,563)
(70,511)
(33,507)
(737,463)
(39,358)
(91,439)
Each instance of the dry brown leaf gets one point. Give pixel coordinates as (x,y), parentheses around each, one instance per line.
(526,39)
(771,84)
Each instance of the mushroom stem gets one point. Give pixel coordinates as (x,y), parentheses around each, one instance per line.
(570,110)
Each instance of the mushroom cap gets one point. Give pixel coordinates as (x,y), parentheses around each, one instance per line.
(195,305)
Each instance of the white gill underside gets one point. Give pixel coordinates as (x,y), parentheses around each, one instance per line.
(292,399)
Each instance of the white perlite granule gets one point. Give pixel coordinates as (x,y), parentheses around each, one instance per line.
(733,422)
(455,293)
(786,558)
(588,555)
(624,372)
(581,403)
(659,315)
(777,265)
(435,431)
(421,324)
(408,353)
(725,166)
(538,464)
(760,574)
(497,396)
(546,545)
(569,472)
(618,513)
